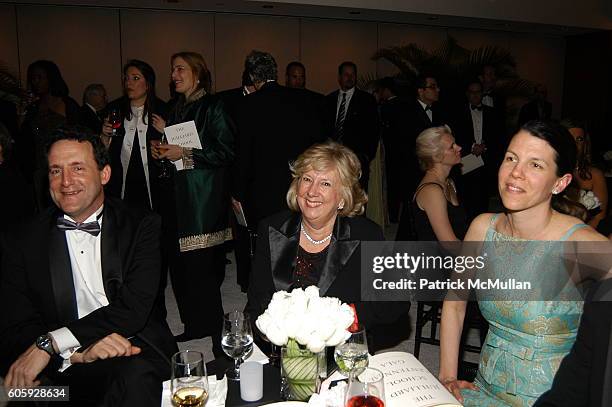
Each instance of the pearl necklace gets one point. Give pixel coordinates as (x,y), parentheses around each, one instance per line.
(311,240)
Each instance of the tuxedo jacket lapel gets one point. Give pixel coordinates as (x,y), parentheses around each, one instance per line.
(60,270)
(340,251)
(423,115)
(284,244)
(110,249)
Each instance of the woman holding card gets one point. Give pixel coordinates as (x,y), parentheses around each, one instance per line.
(202,197)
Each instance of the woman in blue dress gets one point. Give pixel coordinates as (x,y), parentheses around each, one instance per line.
(527,339)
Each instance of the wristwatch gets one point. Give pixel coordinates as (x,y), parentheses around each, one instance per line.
(45,343)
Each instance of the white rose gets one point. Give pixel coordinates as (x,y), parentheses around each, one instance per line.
(312,291)
(339,336)
(277,335)
(315,344)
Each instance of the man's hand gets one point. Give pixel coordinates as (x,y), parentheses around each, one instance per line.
(26,368)
(111,346)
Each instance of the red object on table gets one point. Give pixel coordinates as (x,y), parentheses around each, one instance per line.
(355,325)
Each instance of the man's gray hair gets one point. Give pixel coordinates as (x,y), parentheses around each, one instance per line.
(94,88)
(261,66)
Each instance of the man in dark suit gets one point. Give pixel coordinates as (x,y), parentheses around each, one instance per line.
(423,113)
(352,119)
(275,125)
(94,103)
(537,109)
(232,99)
(477,130)
(84,310)
(393,130)
(584,378)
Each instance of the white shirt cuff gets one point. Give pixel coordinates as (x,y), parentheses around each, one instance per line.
(66,343)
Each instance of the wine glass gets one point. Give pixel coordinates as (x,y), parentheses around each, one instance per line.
(114,119)
(366,389)
(165,169)
(352,356)
(189,384)
(236,340)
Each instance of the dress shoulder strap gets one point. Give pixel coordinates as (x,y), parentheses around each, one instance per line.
(424,185)
(571,230)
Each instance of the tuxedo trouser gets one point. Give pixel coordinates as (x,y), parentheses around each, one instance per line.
(121,381)
(196,286)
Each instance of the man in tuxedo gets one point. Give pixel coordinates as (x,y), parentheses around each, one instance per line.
(275,125)
(584,378)
(392,110)
(539,108)
(82,307)
(424,112)
(477,130)
(352,118)
(94,103)
(232,99)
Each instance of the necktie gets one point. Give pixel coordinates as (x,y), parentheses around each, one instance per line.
(340,119)
(135,191)
(428,109)
(474,107)
(93,228)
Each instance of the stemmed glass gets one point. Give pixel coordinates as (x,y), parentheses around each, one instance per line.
(165,164)
(366,389)
(352,356)
(189,384)
(114,119)
(236,340)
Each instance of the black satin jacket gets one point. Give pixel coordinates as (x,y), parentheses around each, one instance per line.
(277,244)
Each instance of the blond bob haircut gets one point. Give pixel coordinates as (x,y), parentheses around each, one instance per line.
(324,157)
(429,146)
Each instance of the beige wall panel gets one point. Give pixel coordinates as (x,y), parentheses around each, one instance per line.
(404,34)
(237,35)
(542,60)
(472,39)
(9,54)
(326,43)
(153,36)
(84,42)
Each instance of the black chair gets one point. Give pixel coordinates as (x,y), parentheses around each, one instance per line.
(430,312)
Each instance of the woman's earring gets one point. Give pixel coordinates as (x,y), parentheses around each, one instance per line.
(341,206)
(555,192)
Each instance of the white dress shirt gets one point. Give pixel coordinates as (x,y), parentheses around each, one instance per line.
(86,263)
(349,95)
(130,127)
(477,124)
(428,112)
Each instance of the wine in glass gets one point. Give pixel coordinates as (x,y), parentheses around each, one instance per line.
(352,356)
(236,340)
(165,169)
(366,389)
(189,384)
(114,119)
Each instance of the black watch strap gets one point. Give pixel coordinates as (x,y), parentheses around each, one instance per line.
(45,342)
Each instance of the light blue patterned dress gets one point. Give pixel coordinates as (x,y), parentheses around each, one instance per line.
(527,339)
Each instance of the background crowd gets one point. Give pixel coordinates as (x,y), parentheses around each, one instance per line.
(297,164)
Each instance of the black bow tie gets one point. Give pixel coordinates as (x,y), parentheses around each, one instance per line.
(428,108)
(93,228)
(474,107)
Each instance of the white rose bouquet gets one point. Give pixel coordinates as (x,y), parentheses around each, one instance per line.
(311,320)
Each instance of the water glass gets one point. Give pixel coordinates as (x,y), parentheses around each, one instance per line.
(352,356)
(236,340)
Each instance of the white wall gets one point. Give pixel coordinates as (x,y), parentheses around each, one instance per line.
(91,44)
